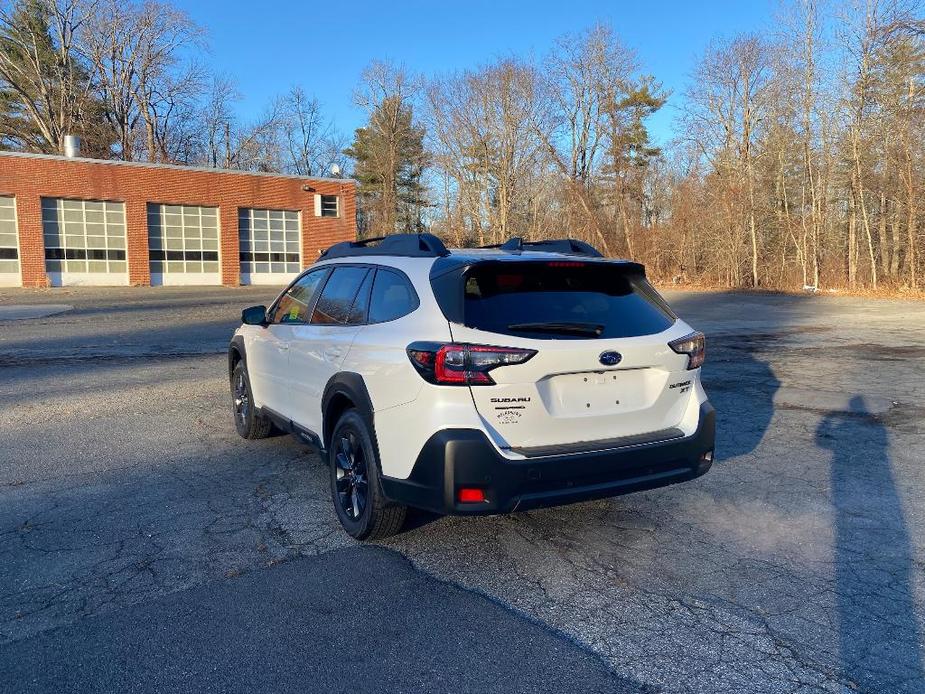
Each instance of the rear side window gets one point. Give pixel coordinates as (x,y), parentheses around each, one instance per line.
(361,303)
(337,297)
(562,300)
(392,297)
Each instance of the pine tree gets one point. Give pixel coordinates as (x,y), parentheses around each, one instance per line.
(390,160)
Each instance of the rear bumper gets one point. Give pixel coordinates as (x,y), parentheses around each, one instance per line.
(455,458)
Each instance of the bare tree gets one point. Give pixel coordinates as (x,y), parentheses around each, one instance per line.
(574,125)
(810,186)
(255,146)
(312,144)
(230,144)
(217,117)
(483,131)
(724,115)
(166,84)
(112,42)
(862,39)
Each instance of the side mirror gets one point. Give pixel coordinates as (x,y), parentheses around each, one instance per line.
(254,315)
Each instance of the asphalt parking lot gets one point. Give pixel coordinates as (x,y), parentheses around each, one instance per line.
(144,547)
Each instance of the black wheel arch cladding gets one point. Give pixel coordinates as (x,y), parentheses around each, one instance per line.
(343,390)
(236,353)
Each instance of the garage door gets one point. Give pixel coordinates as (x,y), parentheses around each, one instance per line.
(183,242)
(270,246)
(84,242)
(9,244)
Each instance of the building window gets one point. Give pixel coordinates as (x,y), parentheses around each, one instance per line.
(328,206)
(183,239)
(269,242)
(84,236)
(9,240)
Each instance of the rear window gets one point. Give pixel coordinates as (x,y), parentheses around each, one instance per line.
(563,300)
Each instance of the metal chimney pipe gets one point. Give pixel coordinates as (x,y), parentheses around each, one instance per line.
(71,146)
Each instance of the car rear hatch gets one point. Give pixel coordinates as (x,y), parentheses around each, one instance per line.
(603,374)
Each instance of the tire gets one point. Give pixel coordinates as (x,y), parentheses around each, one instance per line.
(247,422)
(356,490)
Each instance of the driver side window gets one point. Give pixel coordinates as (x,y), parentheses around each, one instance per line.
(294,305)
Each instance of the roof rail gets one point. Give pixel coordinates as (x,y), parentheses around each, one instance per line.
(406,245)
(565,246)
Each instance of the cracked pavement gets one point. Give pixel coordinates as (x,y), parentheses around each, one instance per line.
(133,521)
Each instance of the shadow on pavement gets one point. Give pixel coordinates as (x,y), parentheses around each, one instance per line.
(874,564)
(360,619)
(740,384)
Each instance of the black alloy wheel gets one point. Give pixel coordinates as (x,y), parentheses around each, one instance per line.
(352,476)
(247,420)
(241,399)
(356,490)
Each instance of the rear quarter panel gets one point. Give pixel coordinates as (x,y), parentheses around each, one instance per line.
(404,419)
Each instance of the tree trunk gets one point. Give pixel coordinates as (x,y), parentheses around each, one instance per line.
(852,242)
(751,226)
(865,219)
(896,245)
(911,232)
(881,234)
(624,219)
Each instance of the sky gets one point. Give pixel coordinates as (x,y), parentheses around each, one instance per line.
(269,46)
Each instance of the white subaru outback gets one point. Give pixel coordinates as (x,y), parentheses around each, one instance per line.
(474,381)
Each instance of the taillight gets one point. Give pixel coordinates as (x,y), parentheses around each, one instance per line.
(694,346)
(462,364)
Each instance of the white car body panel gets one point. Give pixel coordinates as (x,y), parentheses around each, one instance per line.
(316,353)
(378,351)
(267,363)
(564,395)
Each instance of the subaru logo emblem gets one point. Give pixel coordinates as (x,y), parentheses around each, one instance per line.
(610,358)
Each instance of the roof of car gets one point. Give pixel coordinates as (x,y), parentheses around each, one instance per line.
(404,250)
(463,258)
(425,245)
(499,254)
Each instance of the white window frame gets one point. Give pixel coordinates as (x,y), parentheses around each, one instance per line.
(67,277)
(167,277)
(318,206)
(269,277)
(13,279)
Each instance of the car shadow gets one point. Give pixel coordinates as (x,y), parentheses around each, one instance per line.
(874,562)
(741,386)
(738,380)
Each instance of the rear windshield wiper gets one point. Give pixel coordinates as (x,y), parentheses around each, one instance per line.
(562,328)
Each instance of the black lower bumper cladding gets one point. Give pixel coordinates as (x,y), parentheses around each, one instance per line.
(456,458)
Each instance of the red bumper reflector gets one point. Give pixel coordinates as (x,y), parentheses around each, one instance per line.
(471,495)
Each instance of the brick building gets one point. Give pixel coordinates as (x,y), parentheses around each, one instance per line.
(68,221)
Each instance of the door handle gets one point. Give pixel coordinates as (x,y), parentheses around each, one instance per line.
(283,346)
(332,353)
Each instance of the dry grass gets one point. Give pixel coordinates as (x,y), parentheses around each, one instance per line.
(880,293)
